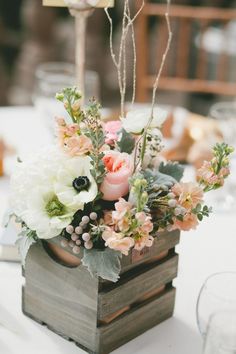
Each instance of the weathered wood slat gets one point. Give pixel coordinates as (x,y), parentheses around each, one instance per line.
(136,322)
(134,287)
(76,306)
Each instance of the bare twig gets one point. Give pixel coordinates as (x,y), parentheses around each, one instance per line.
(120,62)
(155,87)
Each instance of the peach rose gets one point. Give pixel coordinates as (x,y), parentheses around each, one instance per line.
(117,242)
(111,128)
(119,168)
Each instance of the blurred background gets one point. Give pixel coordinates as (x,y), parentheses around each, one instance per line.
(197,87)
(31,34)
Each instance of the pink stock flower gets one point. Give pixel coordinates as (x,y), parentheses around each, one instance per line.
(188,194)
(78,145)
(111,128)
(69,138)
(117,241)
(119,168)
(108,218)
(142,242)
(190,221)
(207,176)
(121,216)
(65,130)
(146,225)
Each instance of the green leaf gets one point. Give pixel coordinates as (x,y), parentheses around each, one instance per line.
(126,142)
(159,178)
(200,217)
(7,218)
(24,242)
(105,264)
(173,169)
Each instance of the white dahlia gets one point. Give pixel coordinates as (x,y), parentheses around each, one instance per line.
(75,185)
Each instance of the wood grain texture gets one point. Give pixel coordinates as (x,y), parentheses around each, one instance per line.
(135,322)
(128,291)
(72,303)
(63,298)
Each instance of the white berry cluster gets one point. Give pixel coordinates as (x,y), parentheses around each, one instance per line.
(78,235)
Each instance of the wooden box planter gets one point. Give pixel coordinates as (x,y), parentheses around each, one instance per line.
(98,315)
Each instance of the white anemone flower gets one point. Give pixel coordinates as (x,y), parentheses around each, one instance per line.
(75,185)
(137,120)
(45,214)
(33,197)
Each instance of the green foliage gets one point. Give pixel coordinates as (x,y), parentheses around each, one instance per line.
(202,211)
(173,169)
(25,240)
(104,264)
(138,191)
(126,142)
(95,132)
(70,97)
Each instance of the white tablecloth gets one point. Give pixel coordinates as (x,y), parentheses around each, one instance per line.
(208,250)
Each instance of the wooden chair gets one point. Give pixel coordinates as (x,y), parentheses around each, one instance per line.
(187,66)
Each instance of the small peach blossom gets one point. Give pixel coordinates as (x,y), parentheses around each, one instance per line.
(108,218)
(111,128)
(188,194)
(190,221)
(78,145)
(146,225)
(117,241)
(206,174)
(142,242)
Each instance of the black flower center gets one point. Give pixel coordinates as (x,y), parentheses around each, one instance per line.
(81,183)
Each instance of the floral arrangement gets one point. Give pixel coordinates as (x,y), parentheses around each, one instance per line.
(105,190)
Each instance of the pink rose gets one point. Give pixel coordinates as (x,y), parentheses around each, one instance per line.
(117,242)
(111,128)
(119,168)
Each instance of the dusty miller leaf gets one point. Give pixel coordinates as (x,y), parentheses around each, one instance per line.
(105,264)
(159,178)
(126,142)
(24,242)
(173,169)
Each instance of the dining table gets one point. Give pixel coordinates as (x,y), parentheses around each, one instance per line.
(209,249)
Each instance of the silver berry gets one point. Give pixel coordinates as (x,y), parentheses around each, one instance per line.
(70,229)
(86,237)
(85,219)
(74,237)
(79,230)
(93,216)
(76,249)
(71,244)
(88,245)
(64,243)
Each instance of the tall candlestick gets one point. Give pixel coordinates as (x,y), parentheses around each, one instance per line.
(81,11)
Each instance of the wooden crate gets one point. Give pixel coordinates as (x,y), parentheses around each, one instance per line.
(98,315)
